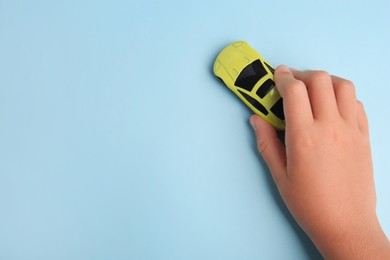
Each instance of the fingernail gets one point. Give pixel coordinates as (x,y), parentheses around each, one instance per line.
(251,120)
(283,68)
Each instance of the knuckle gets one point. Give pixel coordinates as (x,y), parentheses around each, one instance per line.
(362,114)
(347,84)
(304,143)
(262,145)
(297,84)
(294,87)
(320,75)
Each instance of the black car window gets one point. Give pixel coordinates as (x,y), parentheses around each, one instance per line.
(250,75)
(277,109)
(265,88)
(269,67)
(254,103)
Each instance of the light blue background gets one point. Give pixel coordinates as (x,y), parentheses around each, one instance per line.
(116,141)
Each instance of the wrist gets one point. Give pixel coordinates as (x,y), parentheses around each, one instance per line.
(360,241)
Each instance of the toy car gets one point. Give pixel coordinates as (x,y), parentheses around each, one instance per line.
(245,72)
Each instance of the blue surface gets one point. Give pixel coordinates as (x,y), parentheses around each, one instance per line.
(116,141)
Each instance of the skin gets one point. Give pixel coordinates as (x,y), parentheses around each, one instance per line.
(324,171)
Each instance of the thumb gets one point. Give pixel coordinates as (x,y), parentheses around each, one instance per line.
(270,147)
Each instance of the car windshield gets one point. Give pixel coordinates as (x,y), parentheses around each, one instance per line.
(250,75)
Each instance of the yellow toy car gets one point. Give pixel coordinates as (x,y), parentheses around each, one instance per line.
(245,72)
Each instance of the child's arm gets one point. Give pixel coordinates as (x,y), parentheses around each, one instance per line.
(324,173)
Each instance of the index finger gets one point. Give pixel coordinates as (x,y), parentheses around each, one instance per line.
(296,103)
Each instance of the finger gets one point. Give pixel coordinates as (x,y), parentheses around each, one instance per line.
(321,93)
(362,119)
(271,148)
(344,91)
(296,101)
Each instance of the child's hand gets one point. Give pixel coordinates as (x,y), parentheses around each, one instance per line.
(324,173)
